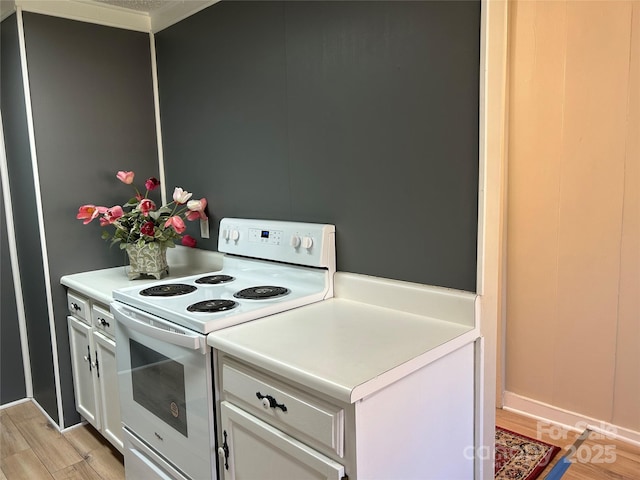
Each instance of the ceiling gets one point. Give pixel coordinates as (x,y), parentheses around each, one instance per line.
(140,15)
(146,6)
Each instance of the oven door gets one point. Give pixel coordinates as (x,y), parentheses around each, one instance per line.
(166,394)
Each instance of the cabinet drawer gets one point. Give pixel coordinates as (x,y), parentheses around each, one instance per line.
(311,417)
(103,320)
(78,306)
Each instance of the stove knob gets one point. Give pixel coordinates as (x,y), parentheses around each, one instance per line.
(225,234)
(235,235)
(295,241)
(307,242)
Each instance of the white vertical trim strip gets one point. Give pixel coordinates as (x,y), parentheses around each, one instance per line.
(43,242)
(156,105)
(15,267)
(479,417)
(493,56)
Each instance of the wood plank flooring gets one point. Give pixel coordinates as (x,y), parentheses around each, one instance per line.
(599,458)
(30,448)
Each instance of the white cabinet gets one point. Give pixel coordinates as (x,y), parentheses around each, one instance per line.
(271,430)
(110,425)
(253,449)
(418,427)
(93,348)
(83,364)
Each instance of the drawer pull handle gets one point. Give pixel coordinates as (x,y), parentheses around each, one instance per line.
(87,357)
(223,452)
(75,306)
(269,402)
(103,322)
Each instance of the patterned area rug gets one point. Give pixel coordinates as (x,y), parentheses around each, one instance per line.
(519,457)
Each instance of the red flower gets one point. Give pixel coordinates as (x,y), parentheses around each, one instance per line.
(143,222)
(152,183)
(189,241)
(147,228)
(146,206)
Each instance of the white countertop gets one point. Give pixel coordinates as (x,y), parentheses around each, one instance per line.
(348,348)
(183,261)
(374,332)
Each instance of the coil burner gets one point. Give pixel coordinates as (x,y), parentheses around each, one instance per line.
(212,306)
(168,290)
(215,279)
(262,292)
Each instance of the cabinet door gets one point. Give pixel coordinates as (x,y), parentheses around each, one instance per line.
(108,381)
(83,364)
(258,450)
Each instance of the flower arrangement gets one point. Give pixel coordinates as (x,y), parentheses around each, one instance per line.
(139,222)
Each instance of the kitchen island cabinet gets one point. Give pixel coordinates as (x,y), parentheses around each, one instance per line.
(349,387)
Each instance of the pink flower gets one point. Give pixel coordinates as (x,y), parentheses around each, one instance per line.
(125,177)
(177,223)
(146,205)
(138,220)
(181,196)
(152,183)
(148,228)
(189,241)
(111,215)
(89,212)
(196,209)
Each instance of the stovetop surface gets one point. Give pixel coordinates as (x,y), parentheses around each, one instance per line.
(303,285)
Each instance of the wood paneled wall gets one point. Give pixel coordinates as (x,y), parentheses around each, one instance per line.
(573,233)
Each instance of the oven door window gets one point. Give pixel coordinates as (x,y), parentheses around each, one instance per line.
(159,385)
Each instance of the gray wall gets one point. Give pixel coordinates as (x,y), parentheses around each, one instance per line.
(92,101)
(361,114)
(12,382)
(27,235)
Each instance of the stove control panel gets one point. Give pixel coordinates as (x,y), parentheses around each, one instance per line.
(310,244)
(269,237)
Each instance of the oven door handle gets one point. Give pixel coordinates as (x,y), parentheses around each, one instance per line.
(179,337)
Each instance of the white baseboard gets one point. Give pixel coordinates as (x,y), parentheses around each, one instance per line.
(573,421)
(37,405)
(16,402)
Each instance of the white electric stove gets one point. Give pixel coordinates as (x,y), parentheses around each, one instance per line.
(164,363)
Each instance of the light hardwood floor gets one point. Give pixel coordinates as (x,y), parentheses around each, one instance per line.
(31,449)
(599,458)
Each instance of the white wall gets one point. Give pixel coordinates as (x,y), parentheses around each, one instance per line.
(573,255)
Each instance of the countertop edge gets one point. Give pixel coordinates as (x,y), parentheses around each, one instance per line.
(342,392)
(339,392)
(410,366)
(78,286)
(183,261)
